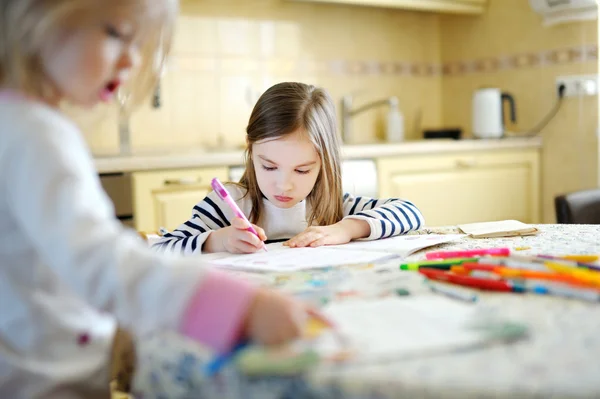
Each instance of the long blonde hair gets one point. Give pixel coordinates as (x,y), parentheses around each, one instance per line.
(282,110)
(26,26)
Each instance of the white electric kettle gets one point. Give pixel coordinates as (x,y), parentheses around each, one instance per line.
(488,112)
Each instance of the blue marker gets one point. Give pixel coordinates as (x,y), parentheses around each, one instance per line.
(220,361)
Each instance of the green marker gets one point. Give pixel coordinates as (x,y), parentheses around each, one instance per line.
(259,361)
(444,264)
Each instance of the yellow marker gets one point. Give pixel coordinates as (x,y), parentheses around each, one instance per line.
(581,258)
(522,248)
(314,328)
(580,274)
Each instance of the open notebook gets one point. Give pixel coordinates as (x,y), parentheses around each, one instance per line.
(390,329)
(393,327)
(502,228)
(282,258)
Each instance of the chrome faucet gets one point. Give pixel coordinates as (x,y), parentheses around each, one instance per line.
(348,113)
(123,125)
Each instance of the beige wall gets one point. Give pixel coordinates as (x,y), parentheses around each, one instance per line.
(228,51)
(509,48)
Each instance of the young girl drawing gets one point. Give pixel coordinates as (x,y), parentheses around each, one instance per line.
(292,186)
(70,273)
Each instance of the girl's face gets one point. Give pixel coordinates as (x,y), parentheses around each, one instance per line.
(286,168)
(88,61)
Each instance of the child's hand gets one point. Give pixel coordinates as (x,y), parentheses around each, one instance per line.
(342,232)
(235,239)
(274,319)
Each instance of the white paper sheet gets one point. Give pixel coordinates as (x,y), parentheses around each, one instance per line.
(284,259)
(395,327)
(402,245)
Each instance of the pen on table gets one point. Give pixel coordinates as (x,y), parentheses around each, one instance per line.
(226,197)
(443,264)
(488,284)
(452,292)
(468,253)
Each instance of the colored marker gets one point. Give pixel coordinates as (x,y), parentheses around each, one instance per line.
(214,366)
(514,262)
(571,262)
(557,260)
(468,253)
(445,264)
(506,272)
(585,275)
(453,292)
(469,281)
(567,292)
(226,197)
(581,258)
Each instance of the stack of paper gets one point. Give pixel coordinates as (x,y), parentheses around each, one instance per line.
(503,228)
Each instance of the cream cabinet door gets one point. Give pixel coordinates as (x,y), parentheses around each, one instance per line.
(465,188)
(166,198)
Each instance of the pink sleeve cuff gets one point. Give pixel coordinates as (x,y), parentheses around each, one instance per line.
(217,310)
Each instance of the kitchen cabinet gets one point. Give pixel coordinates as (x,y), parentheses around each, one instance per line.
(166,198)
(442,6)
(466,187)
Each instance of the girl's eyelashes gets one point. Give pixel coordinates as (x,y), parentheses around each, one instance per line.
(124,32)
(271,168)
(111,31)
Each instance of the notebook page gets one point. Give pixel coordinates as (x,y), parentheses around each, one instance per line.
(400,327)
(401,245)
(281,258)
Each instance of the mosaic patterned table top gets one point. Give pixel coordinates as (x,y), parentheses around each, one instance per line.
(560,358)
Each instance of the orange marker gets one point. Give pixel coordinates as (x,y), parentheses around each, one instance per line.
(528,274)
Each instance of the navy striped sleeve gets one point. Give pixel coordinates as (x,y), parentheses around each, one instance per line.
(208,215)
(386,217)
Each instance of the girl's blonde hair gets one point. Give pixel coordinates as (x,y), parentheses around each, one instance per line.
(287,108)
(27,25)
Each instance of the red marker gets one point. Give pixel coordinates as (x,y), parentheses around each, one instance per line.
(468,281)
(468,253)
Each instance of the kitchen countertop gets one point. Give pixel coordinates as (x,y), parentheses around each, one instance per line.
(207,158)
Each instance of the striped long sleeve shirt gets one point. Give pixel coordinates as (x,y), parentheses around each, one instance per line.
(386,217)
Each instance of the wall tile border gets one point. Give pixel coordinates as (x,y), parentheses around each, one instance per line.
(561,56)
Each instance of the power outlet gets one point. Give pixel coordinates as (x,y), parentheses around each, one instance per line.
(578,85)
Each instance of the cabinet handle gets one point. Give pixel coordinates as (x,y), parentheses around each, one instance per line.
(184,181)
(466,163)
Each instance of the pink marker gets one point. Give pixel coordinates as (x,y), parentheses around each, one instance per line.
(224,195)
(468,254)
